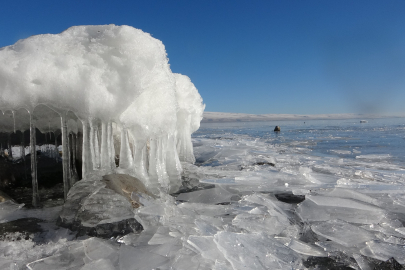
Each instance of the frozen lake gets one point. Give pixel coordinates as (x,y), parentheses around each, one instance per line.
(317,195)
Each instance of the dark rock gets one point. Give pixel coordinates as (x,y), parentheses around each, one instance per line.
(324,263)
(24,227)
(290,198)
(391,264)
(264,163)
(277,128)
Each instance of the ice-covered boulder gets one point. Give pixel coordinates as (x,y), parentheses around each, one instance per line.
(104,207)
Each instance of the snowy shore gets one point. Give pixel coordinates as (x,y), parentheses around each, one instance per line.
(243,117)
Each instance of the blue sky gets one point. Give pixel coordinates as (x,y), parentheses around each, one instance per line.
(298,57)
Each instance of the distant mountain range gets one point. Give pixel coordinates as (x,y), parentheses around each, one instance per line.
(243,117)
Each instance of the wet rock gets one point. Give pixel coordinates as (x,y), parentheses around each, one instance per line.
(290,198)
(104,207)
(324,263)
(390,264)
(19,229)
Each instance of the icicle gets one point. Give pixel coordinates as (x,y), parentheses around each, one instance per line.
(35,194)
(185,146)
(173,165)
(161,165)
(111,149)
(125,151)
(153,172)
(10,150)
(94,146)
(97,147)
(65,156)
(157,163)
(105,160)
(56,133)
(22,151)
(87,164)
(140,166)
(13,112)
(75,177)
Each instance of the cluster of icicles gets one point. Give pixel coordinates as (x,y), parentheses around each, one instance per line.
(155,161)
(109,91)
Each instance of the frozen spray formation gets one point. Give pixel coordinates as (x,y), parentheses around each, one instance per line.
(98,81)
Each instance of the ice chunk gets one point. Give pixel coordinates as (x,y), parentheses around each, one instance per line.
(342,232)
(161,236)
(308,210)
(206,246)
(351,194)
(206,228)
(169,249)
(342,202)
(208,196)
(72,258)
(101,264)
(96,249)
(258,223)
(304,248)
(134,258)
(384,251)
(255,251)
(362,262)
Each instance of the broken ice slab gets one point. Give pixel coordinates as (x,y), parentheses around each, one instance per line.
(206,228)
(255,251)
(142,239)
(184,262)
(342,202)
(206,247)
(362,262)
(401,230)
(384,251)
(101,264)
(169,248)
(161,236)
(258,223)
(68,259)
(222,265)
(342,233)
(387,227)
(305,248)
(96,249)
(207,209)
(139,258)
(352,194)
(208,196)
(322,208)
